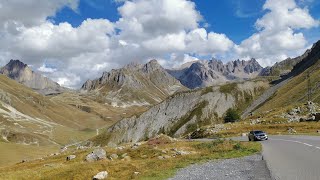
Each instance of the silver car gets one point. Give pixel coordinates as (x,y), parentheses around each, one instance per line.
(257,136)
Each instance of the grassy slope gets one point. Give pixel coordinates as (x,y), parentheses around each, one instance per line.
(295,92)
(144,160)
(12,153)
(91,103)
(72,124)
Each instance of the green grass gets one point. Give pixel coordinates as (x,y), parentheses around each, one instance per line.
(228,88)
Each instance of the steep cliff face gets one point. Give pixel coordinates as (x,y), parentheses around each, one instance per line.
(214,72)
(135,84)
(22,73)
(182,111)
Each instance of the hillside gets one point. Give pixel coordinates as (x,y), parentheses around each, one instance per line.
(134,85)
(28,118)
(184,112)
(295,91)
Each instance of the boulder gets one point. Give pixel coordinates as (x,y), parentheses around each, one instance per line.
(97,154)
(101,175)
(70,157)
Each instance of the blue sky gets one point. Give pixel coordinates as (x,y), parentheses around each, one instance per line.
(235,18)
(71,41)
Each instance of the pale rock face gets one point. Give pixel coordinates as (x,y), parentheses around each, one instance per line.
(214,72)
(174,114)
(20,72)
(135,83)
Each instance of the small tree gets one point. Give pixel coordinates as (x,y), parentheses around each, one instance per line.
(231,116)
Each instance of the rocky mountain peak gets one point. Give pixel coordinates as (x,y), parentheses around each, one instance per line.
(21,72)
(214,72)
(13,68)
(144,83)
(152,66)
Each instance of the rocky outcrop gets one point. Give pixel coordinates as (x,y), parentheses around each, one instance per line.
(215,72)
(135,84)
(180,113)
(22,73)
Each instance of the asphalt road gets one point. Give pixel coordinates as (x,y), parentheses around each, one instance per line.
(292,157)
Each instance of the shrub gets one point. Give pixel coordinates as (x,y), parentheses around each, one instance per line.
(231,116)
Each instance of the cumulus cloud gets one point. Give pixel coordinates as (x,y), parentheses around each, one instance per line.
(278,36)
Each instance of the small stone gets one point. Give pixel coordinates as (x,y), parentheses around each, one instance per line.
(114,156)
(164,151)
(70,157)
(160,157)
(124,155)
(101,175)
(127,158)
(136,173)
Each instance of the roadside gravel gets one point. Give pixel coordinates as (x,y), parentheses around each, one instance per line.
(248,168)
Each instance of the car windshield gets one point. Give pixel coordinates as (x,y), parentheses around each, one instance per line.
(258,132)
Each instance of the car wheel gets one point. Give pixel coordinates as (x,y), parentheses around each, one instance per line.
(249,139)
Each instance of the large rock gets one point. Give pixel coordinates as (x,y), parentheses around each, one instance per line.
(101,175)
(97,154)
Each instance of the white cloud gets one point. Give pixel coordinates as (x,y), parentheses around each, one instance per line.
(201,42)
(46,69)
(278,36)
(31,12)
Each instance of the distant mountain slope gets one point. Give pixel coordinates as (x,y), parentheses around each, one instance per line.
(214,72)
(295,91)
(27,117)
(134,85)
(285,66)
(22,73)
(183,112)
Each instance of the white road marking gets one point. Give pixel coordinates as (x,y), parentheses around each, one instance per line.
(306,144)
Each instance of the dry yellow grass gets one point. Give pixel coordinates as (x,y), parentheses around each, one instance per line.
(11,153)
(144,160)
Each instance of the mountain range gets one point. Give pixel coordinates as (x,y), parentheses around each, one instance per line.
(214,72)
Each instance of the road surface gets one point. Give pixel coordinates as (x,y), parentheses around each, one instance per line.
(293,157)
